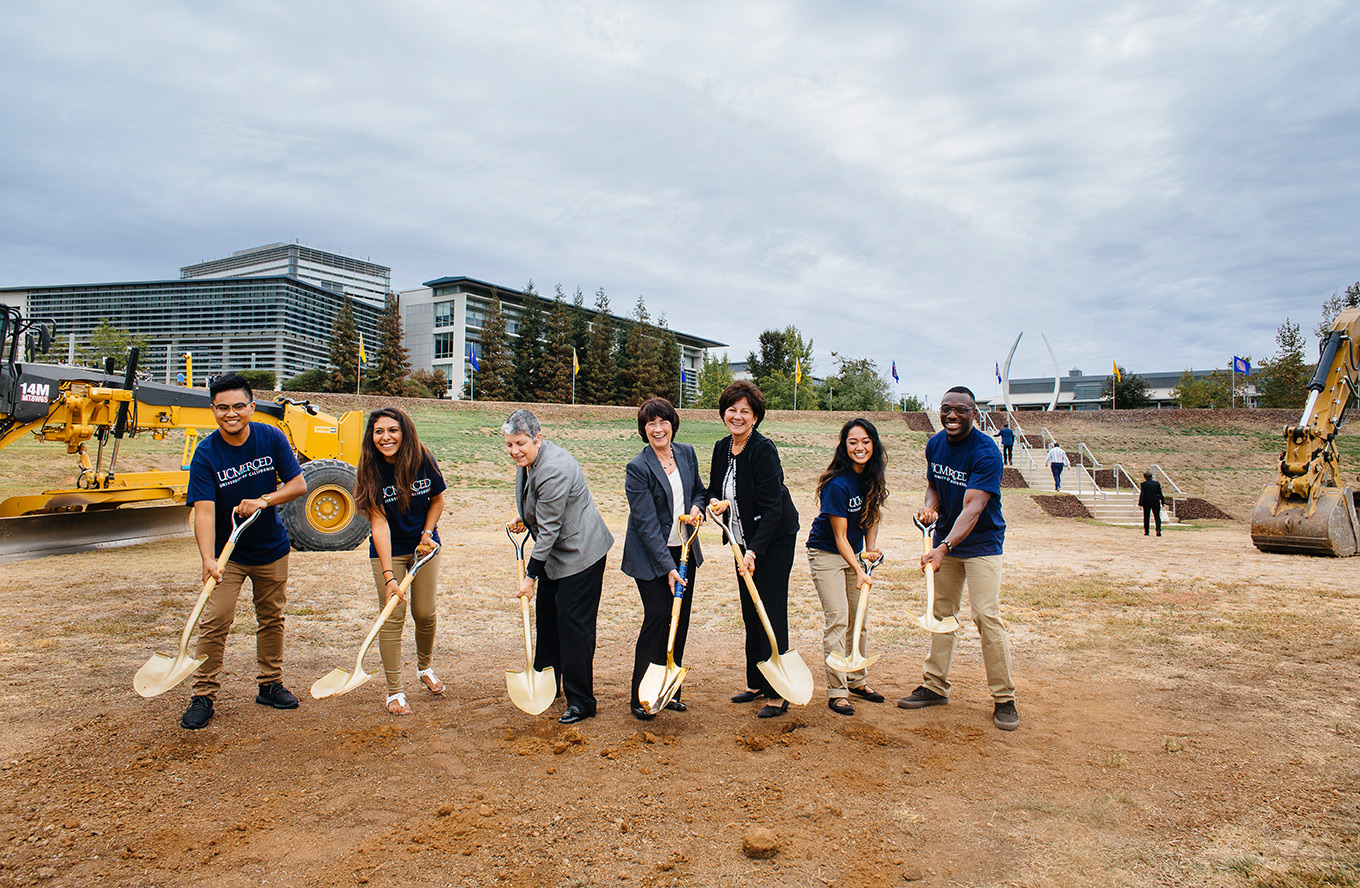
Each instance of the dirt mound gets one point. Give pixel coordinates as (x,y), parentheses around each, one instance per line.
(1062,505)
(1011,477)
(1195,508)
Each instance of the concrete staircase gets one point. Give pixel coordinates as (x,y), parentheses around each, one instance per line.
(1109,506)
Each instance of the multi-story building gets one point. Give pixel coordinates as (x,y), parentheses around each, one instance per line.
(356,278)
(443,322)
(1077,391)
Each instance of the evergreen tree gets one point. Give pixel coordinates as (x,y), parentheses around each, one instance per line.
(596,382)
(1130,391)
(856,385)
(714,377)
(529,347)
(108,341)
(344,353)
(1335,306)
(640,367)
(580,327)
(1283,380)
(555,377)
(667,363)
(393,364)
(494,381)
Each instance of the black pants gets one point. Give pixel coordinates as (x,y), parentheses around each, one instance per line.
(1006,453)
(772,582)
(657,597)
(1152,512)
(567,609)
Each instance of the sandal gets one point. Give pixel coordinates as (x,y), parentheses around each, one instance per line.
(867,693)
(431,681)
(840,706)
(396,704)
(747,696)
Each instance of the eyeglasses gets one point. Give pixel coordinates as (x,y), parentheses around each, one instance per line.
(224,409)
(957,411)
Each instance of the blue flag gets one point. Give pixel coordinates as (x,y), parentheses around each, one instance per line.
(472,357)
(894,372)
(1241,365)
(998,372)
(682,375)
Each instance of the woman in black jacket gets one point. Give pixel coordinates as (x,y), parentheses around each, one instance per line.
(745,471)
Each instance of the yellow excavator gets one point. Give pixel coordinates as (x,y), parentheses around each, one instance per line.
(105,507)
(1310,509)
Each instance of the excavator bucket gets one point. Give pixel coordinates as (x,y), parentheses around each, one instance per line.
(1325,524)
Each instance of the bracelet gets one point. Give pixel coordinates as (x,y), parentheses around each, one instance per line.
(947,548)
(389,572)
(425,532)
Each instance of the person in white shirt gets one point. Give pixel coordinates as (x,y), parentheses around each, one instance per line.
(1056,460)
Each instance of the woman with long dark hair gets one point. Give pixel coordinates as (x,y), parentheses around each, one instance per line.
(851,493)
(745,472)
(401,491)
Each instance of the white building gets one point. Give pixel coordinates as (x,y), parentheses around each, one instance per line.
(355,278)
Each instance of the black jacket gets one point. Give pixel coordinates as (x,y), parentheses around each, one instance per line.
(764,507)
(1150,494)
(651,514)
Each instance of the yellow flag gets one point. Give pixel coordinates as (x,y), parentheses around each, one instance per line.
(798,370)
(575,364)
(363,358)
(1117,376)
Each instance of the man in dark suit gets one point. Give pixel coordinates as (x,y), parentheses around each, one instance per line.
(1151,499)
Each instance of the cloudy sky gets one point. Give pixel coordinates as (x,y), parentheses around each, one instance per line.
(1161,183)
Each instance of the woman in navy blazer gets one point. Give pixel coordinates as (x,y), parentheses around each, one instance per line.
(662,483)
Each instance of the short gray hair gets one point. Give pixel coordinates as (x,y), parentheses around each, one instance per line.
(522,422)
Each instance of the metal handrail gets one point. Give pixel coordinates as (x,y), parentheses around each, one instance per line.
(1048,439)
(1082,448)
(1119,470)
(1177,494)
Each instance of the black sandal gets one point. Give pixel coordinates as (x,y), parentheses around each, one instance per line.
(747,696)
(867,693)
(840,706)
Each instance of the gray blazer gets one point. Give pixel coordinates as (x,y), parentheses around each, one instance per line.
(556,506)
(651,513)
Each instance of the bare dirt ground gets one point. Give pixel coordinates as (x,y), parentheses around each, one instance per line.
(1188,706)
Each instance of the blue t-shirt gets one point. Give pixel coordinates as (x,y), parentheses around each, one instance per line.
(406,527)
(1008,436)
(953,469)
(840,497)
(226,474)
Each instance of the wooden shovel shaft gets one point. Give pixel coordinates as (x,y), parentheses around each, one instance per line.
(388,608)
(237,529)
(859,621)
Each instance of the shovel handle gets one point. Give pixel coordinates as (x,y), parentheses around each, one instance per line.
(738,555)
(528,640)
(391,606)
(236,528)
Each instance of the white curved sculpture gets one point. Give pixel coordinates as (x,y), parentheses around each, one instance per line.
(1006,374)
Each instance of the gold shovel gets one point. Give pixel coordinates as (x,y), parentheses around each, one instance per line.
(857,661)
(661,683)
(928,621)
(162,672)
(531,690)
(340,681)
(786,673)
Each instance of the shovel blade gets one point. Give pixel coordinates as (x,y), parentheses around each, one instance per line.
(649,689)
(842,663)
(789,676)
(948,624)
(532,690)
(668,680)
(162,672)
(338,681)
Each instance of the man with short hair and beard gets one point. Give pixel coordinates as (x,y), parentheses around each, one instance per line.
(963,501)
(237,470)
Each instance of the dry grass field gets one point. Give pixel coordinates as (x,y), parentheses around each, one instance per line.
(1188,705)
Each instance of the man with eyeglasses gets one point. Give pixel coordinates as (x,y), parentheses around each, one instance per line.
(237,469)
(963,501)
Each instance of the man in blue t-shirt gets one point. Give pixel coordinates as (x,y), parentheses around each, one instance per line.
(1007,442)
(237,469)
(963,500)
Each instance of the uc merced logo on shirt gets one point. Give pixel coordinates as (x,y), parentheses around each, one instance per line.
(263,465)
(957,477)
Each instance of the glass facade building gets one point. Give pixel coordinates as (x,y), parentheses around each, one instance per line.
(355,278)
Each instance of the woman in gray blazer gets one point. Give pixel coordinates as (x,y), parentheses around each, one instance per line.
(662,483)
(566,566)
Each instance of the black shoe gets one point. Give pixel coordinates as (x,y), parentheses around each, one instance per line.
(676,706)
(639,712)
(769,710)
(840,706)
(199,713)
(747,696)
(1005,717)
(921,698)
(575,714)
(867,693)
(276,695)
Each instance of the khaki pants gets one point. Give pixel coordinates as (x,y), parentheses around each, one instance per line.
(835,582)
(983,576)
(421,597)
(269,586)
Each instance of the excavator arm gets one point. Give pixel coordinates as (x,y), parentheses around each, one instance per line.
(1310,509)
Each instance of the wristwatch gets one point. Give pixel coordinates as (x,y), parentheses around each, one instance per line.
(947,548)
(266,499)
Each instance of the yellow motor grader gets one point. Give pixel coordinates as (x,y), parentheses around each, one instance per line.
(1310,509)
(105,507)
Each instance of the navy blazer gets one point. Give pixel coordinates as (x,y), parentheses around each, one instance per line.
(764,507)
(651,513)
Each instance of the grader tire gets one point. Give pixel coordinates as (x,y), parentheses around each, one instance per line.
(326,519)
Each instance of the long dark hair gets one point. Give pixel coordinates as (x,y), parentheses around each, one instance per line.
(411,456)
(873,481)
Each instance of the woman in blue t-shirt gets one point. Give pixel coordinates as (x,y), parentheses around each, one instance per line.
(402,492)
(851,491)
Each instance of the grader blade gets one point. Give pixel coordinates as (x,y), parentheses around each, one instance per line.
(1326,525)
(36,536)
